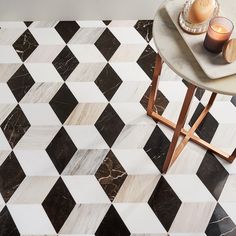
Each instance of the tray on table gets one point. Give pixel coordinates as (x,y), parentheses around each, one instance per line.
(213,65)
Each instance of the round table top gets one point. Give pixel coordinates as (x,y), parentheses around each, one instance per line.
(176,54)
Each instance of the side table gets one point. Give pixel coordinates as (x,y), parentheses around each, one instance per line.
(173,51)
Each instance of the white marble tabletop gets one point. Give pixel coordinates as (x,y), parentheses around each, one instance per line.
(179,58)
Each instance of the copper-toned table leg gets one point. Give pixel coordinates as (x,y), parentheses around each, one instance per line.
(190,133)
(174,152)
(179,126)
(154,86)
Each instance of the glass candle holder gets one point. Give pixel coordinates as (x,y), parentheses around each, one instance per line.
(219,32)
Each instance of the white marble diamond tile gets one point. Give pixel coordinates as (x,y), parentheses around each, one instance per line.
(85,114)
(7,70)
(139,218)
(228,193)
(41,93)
(86,53)
(193,217)
(161,234)
(189,160)
(34,220)
(3,155)
(187,234)
(189,188)
(224,112)
(47,36)
(4,145)
(8,36)
(43,24)
(36,163)
(136,188)
(85,162)
(88,35)
(43,72)
(127,35)
(84,219)
(5,110)
(34,112)
(37,138)
(230,167)
(86,92)
(132,113)
(86,72)
(86,137)
(12,24)
(2,203)
(85,189)
(133,136)
(224,137)
(130,71)
(133,159)
(166,88)
(130,91)
(44,54)
(8,55)
(33,190)
(90,23)
(230,209)
(128,53)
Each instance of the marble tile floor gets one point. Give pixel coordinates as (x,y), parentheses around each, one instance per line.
(79,156)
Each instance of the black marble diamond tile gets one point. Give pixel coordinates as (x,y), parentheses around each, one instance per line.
(112,225)
(61,149)
(11,176)
(25,45)
(199,93)
(20,83)
(111,175)
(144,27)
(58,204)
(65,62)
(107,44)
(220,224)
(7,225)
(109,125)
(67,29)
(108,82)
(147,61)
(15,126)
(160,104)
(165,203)
(206,130)
(63,103)
(233,100)
(212,174)
(157,147)
(28,23)
(106,22)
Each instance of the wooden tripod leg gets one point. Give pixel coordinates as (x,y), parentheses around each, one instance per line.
(179,126)
(153,91)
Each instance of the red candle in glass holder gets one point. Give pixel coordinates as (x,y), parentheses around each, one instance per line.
(219,32)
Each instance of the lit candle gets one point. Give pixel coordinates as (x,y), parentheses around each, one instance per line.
(219,32)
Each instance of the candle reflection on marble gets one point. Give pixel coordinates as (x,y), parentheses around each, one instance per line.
(219,32)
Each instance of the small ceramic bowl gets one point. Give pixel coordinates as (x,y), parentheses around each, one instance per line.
(195,28)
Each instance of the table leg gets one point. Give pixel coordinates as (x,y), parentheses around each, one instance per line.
(193,129)
(179,126)
(154,85)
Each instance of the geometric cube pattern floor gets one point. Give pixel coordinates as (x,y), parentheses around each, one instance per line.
(78,154)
